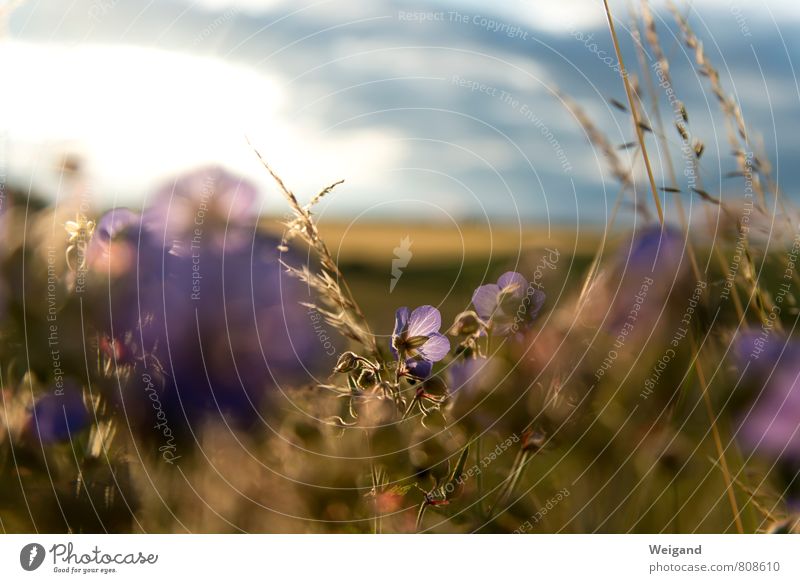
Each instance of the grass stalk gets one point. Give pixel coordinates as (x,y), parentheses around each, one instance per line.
(712,419)
(634,114)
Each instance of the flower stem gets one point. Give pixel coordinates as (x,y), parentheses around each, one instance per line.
(510,482)
(480,474)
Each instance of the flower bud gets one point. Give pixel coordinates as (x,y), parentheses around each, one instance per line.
(467,324)
(348,362)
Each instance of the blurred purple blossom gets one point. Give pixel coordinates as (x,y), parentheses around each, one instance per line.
(208,207)
(509,304)
(772,426)
(770,371)
(195,289)
(128,284)
(653,248)
(647,272)
(466,374)
(416,340)
(59,417)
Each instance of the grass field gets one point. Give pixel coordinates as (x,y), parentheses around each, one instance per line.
(448,261)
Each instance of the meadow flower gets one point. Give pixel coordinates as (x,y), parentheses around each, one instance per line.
(756,354)
(648,280)
(509,304)
(416,340)
(218,318)
(466,374)
(115,242)
(772,426)
(206,207)
(771,375)
(230,329)
(59,417)
(128,282)
(654,249)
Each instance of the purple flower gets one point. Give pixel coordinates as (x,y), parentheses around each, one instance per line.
(654,248)
(130,278)
(508,304)
(772,426)
(649,271)
(114,222)
(59,417)
(416,340)
(771,421)
(205,207)
(202,298)
(115,242)
(761,352)
(466,374)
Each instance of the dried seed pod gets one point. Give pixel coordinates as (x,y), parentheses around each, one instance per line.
(698,147)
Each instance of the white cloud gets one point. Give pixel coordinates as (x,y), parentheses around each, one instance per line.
(140,114)
(565,15)
(341,10)
(241,5)
(545,15)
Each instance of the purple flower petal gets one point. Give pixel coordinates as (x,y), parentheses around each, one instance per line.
(424,321)
(115,221)
(59,417)
(119,242)
(400,320)
(238,197)
(201,195)
(771,426)
(419,368)
(400,324)
(436,348)
(485,300)
(537,301)
(465,374)
(655,248)
(513,283)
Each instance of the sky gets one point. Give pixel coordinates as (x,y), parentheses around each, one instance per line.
(437,111)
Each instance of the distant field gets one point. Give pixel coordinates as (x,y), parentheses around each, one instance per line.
(448,261)
(433,242)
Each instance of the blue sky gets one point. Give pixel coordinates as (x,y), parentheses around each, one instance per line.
(433,110)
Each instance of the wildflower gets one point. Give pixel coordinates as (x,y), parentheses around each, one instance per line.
(508,304)
(114,243)
(771,424)
(648,281)
(127,283)
(466,374)
(113,223)
(416,340)
(202,296)
(207,207)
(654,250)
(770,416)
(59,417)
(248,329)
